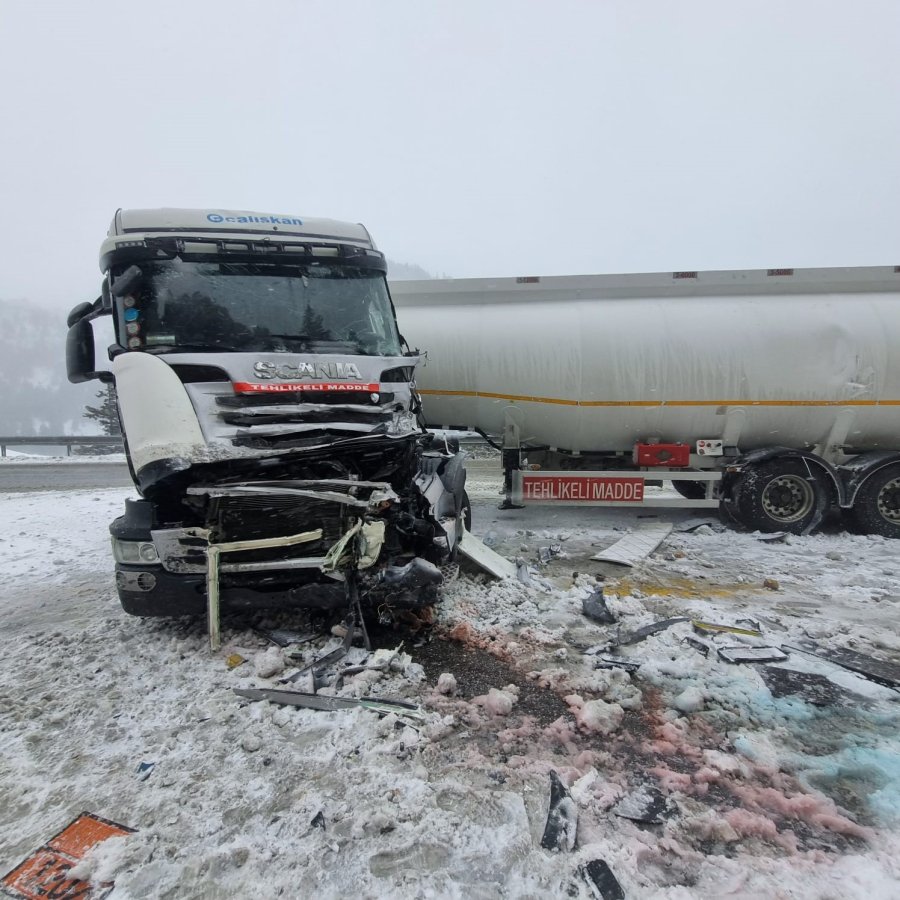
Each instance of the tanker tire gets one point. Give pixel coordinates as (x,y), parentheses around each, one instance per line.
(876,509)
(780,495)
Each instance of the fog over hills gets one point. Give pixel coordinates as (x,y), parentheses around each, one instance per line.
(37,398)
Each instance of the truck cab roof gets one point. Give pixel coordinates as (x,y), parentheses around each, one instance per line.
(130,228)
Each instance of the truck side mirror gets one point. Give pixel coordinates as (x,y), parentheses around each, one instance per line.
(78,313)
(80,351)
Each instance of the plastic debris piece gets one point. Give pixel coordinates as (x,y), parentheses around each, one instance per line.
(699,645)
(562,818)
(381,705)
(594,607)
(714,628)
(600,880)
(752,654)
(143,771)
(639,634)
(485,558)
(617,662)
(779,537)
(645,805)
(637,545)
(545,554)
(318,820)
(234,660)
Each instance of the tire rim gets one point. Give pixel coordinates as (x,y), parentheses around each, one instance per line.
(789,498)
(888,501)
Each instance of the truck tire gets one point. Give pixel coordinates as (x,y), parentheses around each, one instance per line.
(876,509)
(780,495)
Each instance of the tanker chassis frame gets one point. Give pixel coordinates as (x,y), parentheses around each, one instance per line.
(769,489)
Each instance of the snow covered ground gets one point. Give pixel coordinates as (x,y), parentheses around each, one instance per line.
(767,780)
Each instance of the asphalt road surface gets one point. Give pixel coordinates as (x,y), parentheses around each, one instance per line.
(62,476)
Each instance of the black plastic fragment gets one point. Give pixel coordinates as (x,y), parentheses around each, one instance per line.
(600,880)
(595,608)
(562,818)
(318,820)
(640,634)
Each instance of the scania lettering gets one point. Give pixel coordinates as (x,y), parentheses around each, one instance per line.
(270,416)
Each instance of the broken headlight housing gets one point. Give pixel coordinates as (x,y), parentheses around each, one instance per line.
(134,552)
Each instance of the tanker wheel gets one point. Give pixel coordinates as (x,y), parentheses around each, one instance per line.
(466,511)
(876,509)
(780,495)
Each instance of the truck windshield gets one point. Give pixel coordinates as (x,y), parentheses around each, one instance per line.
(226,306)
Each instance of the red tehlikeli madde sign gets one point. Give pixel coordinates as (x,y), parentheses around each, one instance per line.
(253,387)
(584,488)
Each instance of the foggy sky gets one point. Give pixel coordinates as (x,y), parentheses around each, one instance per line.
(471,137)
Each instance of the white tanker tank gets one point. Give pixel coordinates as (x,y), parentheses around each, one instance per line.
(793,374)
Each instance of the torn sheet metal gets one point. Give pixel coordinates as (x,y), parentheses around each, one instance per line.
(637,545)
(740,654)
(595,608)
(562,818)
(878,670)
(382,706)
(485,558)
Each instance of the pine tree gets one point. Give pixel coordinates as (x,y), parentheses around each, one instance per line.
(106,413)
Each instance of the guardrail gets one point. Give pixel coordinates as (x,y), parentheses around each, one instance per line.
(68,441)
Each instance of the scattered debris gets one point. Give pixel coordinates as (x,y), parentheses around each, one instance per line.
(594,607)
(382,706)
(318,820)
(811,687)
(617,662)
(645,805)
(485,558)
(234,660)
(693,526)
(698,644)
(284,637)
(738,654)
(45,872)
(771,584)
(639,634)
(562,817)
(144,770)
(878,670)
(637,545)
(600,880)
(714,628)
(774,537)
(545,554)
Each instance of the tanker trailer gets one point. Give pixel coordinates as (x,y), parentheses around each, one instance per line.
(772,394)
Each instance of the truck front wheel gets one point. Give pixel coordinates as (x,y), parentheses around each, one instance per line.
(780,495)
(876,509)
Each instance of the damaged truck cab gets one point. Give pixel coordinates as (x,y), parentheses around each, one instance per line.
(269,411)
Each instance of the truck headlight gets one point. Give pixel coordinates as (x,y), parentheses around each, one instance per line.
(134,552)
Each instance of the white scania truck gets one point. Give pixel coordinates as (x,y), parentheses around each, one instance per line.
(269,411)
(773,394)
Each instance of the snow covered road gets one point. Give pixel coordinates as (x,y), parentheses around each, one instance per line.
(767,780)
